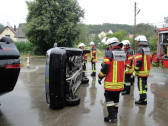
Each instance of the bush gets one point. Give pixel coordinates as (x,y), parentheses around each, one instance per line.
(153,44)
(25,47)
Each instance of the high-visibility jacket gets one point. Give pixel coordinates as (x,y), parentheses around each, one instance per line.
(93,55)
(142,61)
(113,69)
(129,61)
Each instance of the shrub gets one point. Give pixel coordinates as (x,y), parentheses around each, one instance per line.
(25,47)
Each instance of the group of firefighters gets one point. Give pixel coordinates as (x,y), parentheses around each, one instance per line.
(118,70)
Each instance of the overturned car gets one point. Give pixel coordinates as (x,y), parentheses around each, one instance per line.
(63,76)
(9,65)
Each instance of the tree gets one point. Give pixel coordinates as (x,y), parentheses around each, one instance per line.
(153,43)
(51,21)
(96,29)
(145,29)
(121,35)
(83,34)
(97,41)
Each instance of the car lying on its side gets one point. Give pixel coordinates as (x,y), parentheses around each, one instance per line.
(9,65)
(63,76)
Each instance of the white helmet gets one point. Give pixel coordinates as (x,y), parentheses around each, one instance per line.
(141,38)
(81,45)
(126,42)
(92,43)
(112,40)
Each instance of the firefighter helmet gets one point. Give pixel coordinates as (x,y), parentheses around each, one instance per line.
(81,45)
(112,41)
(126,42)
(92,43)
(141,38)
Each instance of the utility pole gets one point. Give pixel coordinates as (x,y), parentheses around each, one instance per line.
(135,14)
(134,26)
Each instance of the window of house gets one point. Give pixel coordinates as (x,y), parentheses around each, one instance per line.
(7,36)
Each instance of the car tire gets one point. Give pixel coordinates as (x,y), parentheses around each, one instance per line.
(85,80)
(72,101)
(57,77)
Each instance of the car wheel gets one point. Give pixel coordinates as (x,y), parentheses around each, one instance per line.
(72,101)
(85,80)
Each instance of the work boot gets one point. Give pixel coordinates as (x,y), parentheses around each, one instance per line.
(141,102)
(112,114)
(93,74)
(108,119)
(126,90)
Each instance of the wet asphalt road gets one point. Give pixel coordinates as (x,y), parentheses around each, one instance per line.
(26,105)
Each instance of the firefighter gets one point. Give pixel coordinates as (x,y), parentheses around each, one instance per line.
(113,69)
(93,56)
(82,46)
(129,67)
(142,67)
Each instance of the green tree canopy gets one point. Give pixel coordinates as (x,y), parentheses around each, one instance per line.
(96,29)
(121,35)
(83,34)
(51,21)
(145,29)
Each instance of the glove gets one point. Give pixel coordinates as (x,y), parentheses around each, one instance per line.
(99,81)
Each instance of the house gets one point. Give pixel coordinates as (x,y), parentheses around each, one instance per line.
(102,35)
(20,36)
(131,36)
(110,32)
(8,31)
(16,35)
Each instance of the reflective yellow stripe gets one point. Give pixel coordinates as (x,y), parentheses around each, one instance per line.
(146,86)
(93,70)
(111,103)
(111,83)
(136,68)
(129,71)
(140,86)
(167,50)
(115,72)
(115,88)
(142,72)
(101,74)
(140,56)
(145,72)
(131,57)
(145,64)
(144,92)
(106,60)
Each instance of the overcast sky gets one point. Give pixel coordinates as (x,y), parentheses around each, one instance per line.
(14,12)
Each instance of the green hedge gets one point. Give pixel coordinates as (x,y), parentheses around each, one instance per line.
(25,47)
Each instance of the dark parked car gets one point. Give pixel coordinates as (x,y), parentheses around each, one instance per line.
(63,76)
(9,65)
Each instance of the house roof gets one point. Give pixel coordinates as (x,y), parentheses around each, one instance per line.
(19,31)
(9,28)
